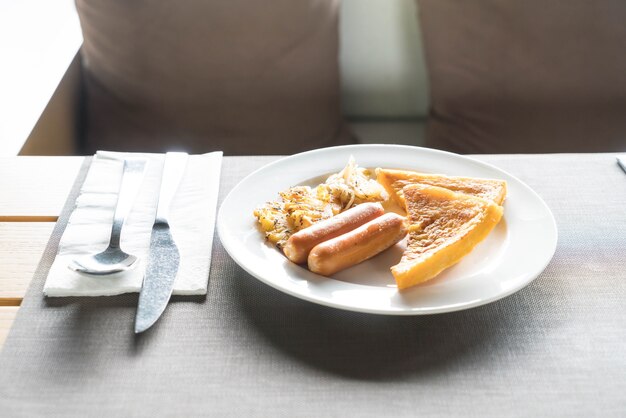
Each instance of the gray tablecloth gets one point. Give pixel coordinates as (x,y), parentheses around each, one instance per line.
(556,348)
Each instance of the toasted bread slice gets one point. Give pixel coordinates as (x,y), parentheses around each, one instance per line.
(394,182)
(444,226)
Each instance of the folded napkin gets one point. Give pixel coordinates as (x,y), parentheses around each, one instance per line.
(621,161)
(192,221)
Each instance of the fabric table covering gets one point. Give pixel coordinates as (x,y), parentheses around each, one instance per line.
(555,348)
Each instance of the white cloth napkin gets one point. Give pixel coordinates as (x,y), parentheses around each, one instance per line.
(192,222)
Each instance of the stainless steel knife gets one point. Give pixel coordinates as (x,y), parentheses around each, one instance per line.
(163,257)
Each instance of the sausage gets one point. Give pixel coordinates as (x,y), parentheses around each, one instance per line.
(300,244)
(357,245)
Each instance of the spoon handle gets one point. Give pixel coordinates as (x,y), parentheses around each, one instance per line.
(129,186)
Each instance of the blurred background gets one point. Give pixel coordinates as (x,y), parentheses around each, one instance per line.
(278,78)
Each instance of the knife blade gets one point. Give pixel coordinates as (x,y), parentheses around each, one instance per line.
(163,256)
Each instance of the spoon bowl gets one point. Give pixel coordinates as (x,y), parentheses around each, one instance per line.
(111,260)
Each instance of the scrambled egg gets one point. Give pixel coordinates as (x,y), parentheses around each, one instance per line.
(301,206)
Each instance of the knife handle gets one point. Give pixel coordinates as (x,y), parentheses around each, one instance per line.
(173,170)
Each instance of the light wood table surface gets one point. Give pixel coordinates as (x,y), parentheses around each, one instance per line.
(33,190)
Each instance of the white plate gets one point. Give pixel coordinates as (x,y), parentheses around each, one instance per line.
(515,252)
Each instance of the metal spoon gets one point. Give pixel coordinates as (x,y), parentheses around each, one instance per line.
(113,259)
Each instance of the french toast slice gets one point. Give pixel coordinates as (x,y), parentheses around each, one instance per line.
(444,226)
(394,182)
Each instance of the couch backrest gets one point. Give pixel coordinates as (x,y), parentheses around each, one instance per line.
(382,66)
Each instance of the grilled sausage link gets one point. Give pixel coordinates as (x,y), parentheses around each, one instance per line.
(357,245)
(300,244)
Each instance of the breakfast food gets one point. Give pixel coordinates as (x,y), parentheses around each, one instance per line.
(444,226)
(342,222)
(302,242)
(394,182)
(357,245)
(301,206)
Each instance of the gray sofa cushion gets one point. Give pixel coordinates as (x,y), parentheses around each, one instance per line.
(242,76)
(526,76)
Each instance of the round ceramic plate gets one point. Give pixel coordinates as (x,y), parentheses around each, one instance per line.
(514,254)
